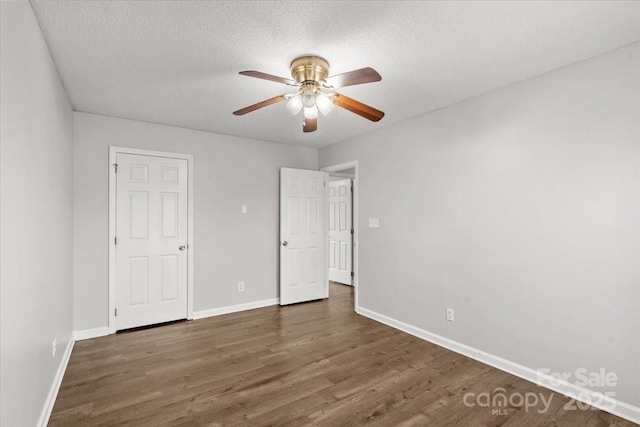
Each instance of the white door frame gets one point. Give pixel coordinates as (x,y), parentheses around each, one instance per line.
(113,151)
(355,225)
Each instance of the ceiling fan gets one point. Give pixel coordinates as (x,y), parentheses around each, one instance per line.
(316,91)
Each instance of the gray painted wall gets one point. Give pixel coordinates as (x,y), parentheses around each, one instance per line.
(35,217)
(520,209)
(229,247)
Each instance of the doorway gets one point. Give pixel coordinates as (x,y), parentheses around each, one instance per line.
(304,232)
(342,226)
(150,238)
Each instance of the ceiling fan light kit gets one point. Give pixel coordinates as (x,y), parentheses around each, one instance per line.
(316,91)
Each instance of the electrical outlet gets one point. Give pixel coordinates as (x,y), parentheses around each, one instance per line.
(450,317)
(54,344)
(240,286)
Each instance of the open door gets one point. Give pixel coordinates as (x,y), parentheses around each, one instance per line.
(340,231)
(302,235)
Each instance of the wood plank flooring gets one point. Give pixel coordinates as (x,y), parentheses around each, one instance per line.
(316,363)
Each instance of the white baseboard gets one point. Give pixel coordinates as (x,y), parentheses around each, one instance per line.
(104,331)
(90,333)
(55,386)
(615,407)
(235,308)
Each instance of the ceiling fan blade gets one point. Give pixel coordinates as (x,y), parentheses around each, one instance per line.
(357,107)
(264,103)
(356,77)
(310,125)
(265,76)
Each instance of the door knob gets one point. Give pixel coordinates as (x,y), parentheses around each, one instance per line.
(182,248)
(285,243)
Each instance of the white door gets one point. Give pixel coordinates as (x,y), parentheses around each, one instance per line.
(151,246)
(340,231)
(302,235)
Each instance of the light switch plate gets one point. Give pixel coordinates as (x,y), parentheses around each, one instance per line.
(244,209)
(374,223)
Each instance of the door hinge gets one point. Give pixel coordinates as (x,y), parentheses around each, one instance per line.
(115,166)
(352,231)
(352,274)
(116,312)
(115,240)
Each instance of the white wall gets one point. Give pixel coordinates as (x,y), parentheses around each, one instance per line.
(520,209)
(229,247)
(35,217)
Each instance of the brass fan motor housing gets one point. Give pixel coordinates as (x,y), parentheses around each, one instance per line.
(309,68)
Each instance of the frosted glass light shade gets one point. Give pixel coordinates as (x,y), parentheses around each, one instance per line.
(325,105)
(311,113)
(295,104)
(308,98)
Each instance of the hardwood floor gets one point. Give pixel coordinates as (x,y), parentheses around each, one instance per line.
(314,363)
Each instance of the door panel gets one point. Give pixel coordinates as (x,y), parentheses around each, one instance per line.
(139,214)
(302,222)
(151,226)
(138,281)
(169,214)
(170,282)
(340,243)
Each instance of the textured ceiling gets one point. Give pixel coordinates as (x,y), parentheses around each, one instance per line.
(177,62)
